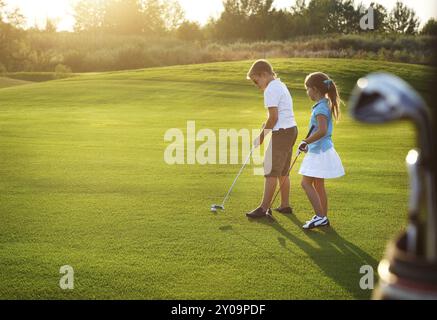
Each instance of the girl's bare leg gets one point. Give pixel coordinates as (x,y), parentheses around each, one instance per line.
(313,196)
(319,185)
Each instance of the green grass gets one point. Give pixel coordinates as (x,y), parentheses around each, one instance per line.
(83,183)
(38,76)
(9,82)
(13,79)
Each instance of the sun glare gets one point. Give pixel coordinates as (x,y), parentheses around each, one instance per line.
(37,11)
(201,10)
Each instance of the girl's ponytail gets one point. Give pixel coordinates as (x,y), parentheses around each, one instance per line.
(328,88)
(334,98)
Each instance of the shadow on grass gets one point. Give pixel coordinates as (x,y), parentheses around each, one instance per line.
(286,264)
(337,258)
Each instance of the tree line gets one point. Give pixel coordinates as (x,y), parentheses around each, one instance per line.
(118,34)
(243,19)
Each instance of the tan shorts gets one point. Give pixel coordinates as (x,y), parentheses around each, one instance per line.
(277,161)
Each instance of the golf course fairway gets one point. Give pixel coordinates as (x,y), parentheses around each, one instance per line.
(83,182)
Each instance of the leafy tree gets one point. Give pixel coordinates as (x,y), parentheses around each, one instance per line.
(299,19)
(51,25)
(351,17)
(381,22)
(281,25)
(14,18)
(255,7)
(403,20)
(430,28)
(123,16)
(89,15)
(12,36)
(189,31)
(322,16)
(299,7)
(172,14)
(343,17)
(333,16)
(231,22)
(150,17)
(244,19)
(260,19)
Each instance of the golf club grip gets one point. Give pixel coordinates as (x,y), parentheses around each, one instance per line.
(308,135)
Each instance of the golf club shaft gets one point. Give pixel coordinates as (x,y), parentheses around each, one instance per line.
(431,247)
(282,182)
(291,167)
(239,173)
(236,178)
(416,190)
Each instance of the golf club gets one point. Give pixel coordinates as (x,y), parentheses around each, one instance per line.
(216,207)
(269,212)
(380,98)
(409,270)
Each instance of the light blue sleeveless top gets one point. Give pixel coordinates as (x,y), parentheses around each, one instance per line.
(325,143)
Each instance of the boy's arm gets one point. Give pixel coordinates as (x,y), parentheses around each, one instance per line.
(269,125)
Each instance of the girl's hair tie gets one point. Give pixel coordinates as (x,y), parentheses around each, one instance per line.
(328,83)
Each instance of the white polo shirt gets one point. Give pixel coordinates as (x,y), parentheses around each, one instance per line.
(277,95)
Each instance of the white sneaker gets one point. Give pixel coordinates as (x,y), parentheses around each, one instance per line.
(316,222)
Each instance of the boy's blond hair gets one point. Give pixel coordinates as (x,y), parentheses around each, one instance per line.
(259,67)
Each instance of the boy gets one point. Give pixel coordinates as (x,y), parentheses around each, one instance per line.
(281,122)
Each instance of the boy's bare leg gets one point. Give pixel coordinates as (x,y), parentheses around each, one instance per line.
(313,196)
(319,185)
(269,190)
(284,183)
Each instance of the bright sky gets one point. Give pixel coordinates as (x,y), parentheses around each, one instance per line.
(36,11)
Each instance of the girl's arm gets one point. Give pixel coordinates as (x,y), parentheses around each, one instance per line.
(322,124)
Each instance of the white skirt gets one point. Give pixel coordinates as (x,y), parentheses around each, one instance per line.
(324,165)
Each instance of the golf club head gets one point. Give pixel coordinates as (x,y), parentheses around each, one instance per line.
(382,97)
(269,215)
(216,207)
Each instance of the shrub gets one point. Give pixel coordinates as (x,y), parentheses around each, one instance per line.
(32,76)
(84,52)
(2,69)
(62,69)
(75,59)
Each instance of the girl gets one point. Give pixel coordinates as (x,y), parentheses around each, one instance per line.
(282,124)
(322,161)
